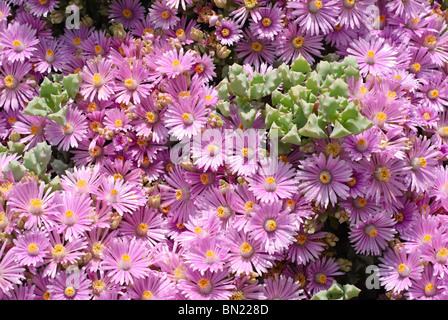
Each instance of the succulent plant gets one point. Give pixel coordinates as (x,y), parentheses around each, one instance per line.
(296,100)
(53,96)
(337,292)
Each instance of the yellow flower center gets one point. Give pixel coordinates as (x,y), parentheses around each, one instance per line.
(50,52)
(118,123)
(318,4)
(150,117)
(127,13)
(270,180)
(16,43)
(204,178)
(381,116)
(36,203)
(399,217)
(266,22)
(98,49)
(197,230)
(429,287)
(179,194)
(143,227)
(290,203)
(362,90)
(397,77)
(176,63)
(129,82)
(333,148)
(434,93)
(180,32)
(199,69)
(430,40)
(362,202)
(427,238)
(249,205)
(301,238)
(245,151)
(58,249)
(113,192)
(69,291)
(69,213)
(361,142)
(81,183)
(203,283)
(96,78)
(34,130)
(322,279)
(165,14)
(401,267)
(125,258)
(416,66)
(221,211)
(77,41)
(272,225)
(225,32)
(384,174)
(443,252)
(246,248)
(11,120)
(118,176)
(208,97)
(46,296)
(426,116)
(324,178)
(32,247)
(9,81)
(391,94)
(185,116)
(422,162)
(373,233)
(210,254)
(147,295)
(352,182)
(256,46)
(298,42)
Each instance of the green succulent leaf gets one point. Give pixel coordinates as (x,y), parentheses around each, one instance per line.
(71,84)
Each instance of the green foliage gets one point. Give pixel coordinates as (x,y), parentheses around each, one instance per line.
(53,97)
(337,292)
(296,100)
(37,159)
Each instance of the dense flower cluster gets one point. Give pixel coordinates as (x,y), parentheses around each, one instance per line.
(99,201)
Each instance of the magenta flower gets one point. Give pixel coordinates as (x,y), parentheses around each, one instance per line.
(98,80)
(323,180)
(11,273)
(31,248)
(131,82)
(19,42)
(128,12)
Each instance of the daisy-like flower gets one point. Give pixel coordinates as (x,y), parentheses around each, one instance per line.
(156,287)
(11,273)
(73,214)
(116,120)
(82,180)
(209,253)
(315,16)
(422,159)
(306,247)
(98,79)
(162,15)
(186,117)
(429,287)
(436,252)
(353,13)
(62,252)
(72,285)
(97,44)
(271,185)
(19,42)
(374,56)
(406,9)
(270,24)
(247,289)
(207,286)
(203,67)
(397,269)
(15,90)
(255,51)
(98,240)
(324,180)
(321,273)
(173,63)
(68,136)
(31,200)
(131,84)
(246,254)
(248,7)
(208,150)
(145,224)
(51,54)
(128,12)
(120,195)
(370,236)
(362,145)
(273,227)
(386,177)
(282,288)
(31,248)
(126,261)
(33,127)
(150,121)
(228,32)
(295,42)
(42,7)
(433,93)
(73,38)
(423,230)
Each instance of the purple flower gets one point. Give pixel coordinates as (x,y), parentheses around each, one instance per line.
(320,274)
(128,12)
